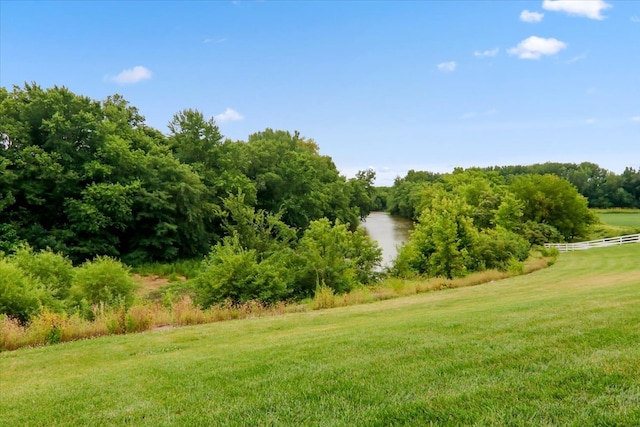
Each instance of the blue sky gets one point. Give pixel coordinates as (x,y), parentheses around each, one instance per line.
(426,85)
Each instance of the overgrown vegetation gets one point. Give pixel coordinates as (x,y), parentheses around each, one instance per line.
(46,326)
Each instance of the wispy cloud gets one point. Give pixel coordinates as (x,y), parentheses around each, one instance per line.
(591,9)
(635,119)
(207,41)
(531,17)
(635,19)
(132,75)
(577,58)
(473,114)
(447,67)
(229,115)
(537,47)
(486,53)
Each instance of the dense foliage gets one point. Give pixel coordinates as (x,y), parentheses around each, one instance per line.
(89,183)
(474,220)
(89,178)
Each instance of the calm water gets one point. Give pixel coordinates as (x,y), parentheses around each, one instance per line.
(389,231)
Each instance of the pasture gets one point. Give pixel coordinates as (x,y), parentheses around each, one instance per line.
(620,219)
(560,346)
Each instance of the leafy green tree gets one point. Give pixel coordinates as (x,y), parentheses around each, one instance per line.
(440,242)
(195,140)
(551,200)
(363,192)
(333,256)
(291,177)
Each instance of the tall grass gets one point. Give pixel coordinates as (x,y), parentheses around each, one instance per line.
(48,327)
(185,268)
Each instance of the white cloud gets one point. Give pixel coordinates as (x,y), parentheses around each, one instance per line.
(469,115)
(133,75)
(591,9)
(447,67)
(486,53)
(531,17)
(536,47)
(635,19)
(229,115)
(590,121)
(635,119)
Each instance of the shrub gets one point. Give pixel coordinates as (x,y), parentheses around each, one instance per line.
(53,270)
(20,294)
(235,273)
(331,255)
(540,233)
(323,298)
(104,280)
(497,248)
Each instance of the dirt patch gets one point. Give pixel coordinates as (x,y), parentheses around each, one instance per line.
(153,283)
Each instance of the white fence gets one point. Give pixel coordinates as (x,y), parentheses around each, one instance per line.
(600,243)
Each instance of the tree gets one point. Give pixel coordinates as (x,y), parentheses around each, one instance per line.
(363,192)
(291,177)
(440,242)
(551,200)
(333,256)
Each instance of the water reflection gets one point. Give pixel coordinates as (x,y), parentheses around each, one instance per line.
(389,231)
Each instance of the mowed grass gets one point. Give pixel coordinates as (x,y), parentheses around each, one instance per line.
(560,346)
(622,219)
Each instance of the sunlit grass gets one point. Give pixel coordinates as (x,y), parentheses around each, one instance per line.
(560,346)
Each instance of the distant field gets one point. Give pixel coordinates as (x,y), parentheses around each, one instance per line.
(557,347)
(626,219)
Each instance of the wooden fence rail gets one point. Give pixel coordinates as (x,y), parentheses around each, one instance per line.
(600,243)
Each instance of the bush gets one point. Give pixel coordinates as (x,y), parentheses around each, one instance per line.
(499,249)
(20,294)
(235,273)
(53,270)
(540,233)
(333,256)
(104,280)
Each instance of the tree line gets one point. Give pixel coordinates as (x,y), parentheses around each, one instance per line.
(87,178)
(87,189)
(477,219)
(602,188)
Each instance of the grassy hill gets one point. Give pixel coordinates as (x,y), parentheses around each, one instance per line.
(560,346)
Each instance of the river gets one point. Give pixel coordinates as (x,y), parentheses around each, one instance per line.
(389,231)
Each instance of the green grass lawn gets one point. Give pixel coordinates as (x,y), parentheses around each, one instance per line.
(560,346)
(626,219)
